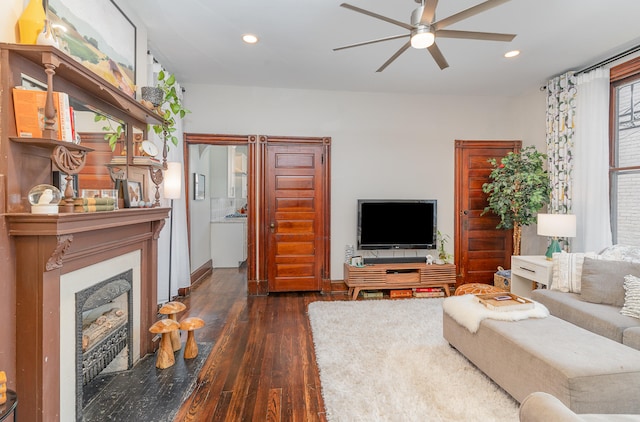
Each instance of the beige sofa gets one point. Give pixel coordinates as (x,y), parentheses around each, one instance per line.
(585,354)
(543,407)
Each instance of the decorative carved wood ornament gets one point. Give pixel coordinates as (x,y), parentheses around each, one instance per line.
(55,260)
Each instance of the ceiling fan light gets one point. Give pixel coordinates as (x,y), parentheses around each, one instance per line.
(422,38)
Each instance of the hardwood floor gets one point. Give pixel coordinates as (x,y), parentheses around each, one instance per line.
(262,366)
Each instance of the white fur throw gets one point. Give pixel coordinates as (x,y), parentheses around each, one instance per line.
(467,311)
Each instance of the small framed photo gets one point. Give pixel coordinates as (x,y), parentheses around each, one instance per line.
(133,196)
(198,186)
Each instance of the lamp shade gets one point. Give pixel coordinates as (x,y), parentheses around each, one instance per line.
(557,225)
(173,180)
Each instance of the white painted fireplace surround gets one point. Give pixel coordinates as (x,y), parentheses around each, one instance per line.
(70,284)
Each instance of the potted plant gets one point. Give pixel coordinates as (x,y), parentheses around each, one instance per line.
(170,107)
(442,240)
(518,189)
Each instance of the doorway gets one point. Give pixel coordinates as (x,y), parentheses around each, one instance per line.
(287,207)
(479,247)
(227,204)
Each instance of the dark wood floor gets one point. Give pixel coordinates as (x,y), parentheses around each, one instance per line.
(262,366)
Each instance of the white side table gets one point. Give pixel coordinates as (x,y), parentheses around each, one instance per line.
(527,270)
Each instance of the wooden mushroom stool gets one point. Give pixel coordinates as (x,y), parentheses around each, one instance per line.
(189,325)
(171,309)
(3,387)
(165,356)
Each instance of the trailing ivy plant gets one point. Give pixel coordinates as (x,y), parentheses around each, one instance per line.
(170,107)
(518,189)
(112,134)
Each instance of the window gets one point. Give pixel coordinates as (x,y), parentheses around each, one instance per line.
(624,162)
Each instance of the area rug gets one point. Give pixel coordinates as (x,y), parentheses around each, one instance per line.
(386,360)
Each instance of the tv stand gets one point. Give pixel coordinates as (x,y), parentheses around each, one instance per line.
(398,276)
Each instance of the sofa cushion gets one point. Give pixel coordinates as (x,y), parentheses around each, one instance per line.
(631,337)
(567,271)
(604,320)
(631,296)
(602,281)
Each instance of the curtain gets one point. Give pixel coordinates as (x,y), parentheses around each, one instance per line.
(591,170)
(174,267)
(561,99)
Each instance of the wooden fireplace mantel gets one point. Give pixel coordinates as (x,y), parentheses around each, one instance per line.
(49,246)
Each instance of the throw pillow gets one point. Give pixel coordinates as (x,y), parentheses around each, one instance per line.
(631,297)
(567,271)
(621,253)
(603,281)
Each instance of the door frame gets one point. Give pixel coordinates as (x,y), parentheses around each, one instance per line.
(225,140)
(261,286)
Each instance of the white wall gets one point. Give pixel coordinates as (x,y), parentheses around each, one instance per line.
(383,145)
(199,211)
(11,11)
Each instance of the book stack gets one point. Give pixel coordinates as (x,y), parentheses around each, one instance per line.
(428,292)
(400,293)
(372,294)
(94,204)
(29,104)
(147,161)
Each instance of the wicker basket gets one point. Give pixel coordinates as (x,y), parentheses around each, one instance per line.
(502,279)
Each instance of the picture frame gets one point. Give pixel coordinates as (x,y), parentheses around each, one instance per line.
(107,45)
(134,194)
(198,187)
(59,180)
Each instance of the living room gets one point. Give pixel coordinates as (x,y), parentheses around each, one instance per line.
(395,142)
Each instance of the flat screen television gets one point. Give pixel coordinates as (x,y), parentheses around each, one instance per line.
(397,223)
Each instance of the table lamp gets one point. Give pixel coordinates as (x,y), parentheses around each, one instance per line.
(555,226)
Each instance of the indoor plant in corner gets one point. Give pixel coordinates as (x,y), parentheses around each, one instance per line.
(518,189)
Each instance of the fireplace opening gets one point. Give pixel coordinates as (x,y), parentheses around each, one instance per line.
(104,331)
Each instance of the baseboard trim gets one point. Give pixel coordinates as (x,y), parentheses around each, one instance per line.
(197,276)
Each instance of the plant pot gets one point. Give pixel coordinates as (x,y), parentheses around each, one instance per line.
(152,94)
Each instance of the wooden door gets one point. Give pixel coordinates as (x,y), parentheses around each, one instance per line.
(479,247)
(296,214)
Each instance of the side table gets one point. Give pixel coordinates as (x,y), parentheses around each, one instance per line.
(10,407)
(526,270)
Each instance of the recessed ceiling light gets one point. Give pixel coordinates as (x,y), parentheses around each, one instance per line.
(249,38)
(512,53)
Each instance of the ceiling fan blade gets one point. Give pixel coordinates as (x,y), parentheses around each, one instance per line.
(429,12)
(395,56)
(473,35)
(377,16)
(393,37)
(437,56)
(467,13)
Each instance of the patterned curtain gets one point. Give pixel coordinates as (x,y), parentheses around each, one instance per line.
(561,103)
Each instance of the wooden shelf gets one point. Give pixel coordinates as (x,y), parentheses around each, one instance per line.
(69,69)
(51,143)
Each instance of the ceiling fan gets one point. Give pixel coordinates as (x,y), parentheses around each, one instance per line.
(424,29)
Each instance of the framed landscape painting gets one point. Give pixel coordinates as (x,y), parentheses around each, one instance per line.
(99,35)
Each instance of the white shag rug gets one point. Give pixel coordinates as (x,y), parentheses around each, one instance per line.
(386,360)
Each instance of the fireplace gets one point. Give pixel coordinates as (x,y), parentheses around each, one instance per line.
(85,294)
(57,256)
(104,331)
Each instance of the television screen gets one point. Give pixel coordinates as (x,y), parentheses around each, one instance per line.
(397,224)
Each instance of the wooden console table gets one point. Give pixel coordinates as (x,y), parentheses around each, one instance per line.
(398,276)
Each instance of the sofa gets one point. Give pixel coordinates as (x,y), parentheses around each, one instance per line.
(585,354)
(543,407)
(600,293)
